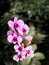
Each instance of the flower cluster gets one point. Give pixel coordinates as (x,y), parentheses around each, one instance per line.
(18,36)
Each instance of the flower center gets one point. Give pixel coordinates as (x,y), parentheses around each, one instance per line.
(24,30)
(16,25)
(19,35)
(20,56)
(20,48)
(28,51)
(14,39)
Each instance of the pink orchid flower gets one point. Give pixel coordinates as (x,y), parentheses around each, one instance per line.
(29,38)
(18,48)
(18,57)
(10,32)
(14,39)
(29,51)
(16,24)
(24,29)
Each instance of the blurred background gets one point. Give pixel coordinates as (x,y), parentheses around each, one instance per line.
(35,13)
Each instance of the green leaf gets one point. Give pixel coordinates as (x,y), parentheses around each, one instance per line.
(34,47)
(40,36)
(39,56)
(32,30)
(35,62)
(26,61)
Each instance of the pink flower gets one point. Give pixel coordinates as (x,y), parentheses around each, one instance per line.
(19,34)
(18,48)
(29,38)
(24,30)
(10,33)
(16,24)
(16,36)
(18,57)
(29,51)
(14,39)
